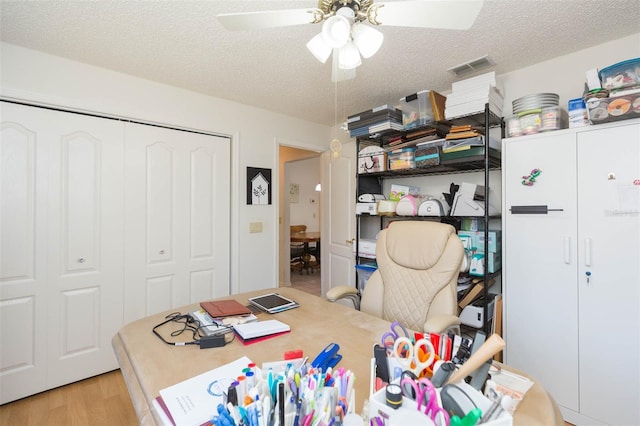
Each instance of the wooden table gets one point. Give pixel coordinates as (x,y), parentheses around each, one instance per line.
(306,238)
(149,365)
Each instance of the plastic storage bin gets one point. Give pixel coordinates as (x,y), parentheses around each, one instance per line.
(363,273)
(621,75)
(536,121)
(614,109)
(402,159)
(422,108)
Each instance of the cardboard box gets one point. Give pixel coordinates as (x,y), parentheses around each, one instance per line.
(477,240)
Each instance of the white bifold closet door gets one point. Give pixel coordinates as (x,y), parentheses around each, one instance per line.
(61,248)
(177,189)
(102,222)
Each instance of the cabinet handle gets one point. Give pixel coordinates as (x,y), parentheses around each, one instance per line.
(543,209)
(587,251)
(81,260)
(567,250)
(161,252)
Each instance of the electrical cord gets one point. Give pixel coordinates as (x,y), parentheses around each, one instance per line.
(196,329)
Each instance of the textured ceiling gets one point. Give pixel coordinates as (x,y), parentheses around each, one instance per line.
(181,43)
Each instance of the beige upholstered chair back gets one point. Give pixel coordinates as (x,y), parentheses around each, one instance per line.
(418,262)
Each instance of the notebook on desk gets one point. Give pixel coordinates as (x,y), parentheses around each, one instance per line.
(225,308)
(257,331)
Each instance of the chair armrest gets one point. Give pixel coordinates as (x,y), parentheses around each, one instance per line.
(441,323)
(344,292)
(373,296)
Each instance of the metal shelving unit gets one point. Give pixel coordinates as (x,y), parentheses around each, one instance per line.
(488,161)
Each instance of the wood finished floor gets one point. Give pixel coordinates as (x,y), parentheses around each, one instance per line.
(100,400)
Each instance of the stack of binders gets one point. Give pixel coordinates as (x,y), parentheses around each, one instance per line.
(379,119)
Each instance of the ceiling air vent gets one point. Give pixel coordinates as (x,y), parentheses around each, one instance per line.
(472,66)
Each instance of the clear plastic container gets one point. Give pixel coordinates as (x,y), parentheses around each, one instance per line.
(422,108)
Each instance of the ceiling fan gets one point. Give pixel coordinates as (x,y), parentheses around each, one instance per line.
(345,31)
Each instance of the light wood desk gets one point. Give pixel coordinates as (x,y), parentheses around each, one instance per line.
(149,365)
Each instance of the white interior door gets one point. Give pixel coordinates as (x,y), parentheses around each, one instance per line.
(541,311)
(61,247)
(338,218)
(608,273)
(177,219)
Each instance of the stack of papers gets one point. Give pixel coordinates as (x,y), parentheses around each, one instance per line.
(375,120)
(470,96)
(194,401)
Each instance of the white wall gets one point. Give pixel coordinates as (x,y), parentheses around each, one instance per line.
(305,173)
(31,75)
(565,75)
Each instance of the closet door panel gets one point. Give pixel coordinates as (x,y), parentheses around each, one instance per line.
(23,239)
(61,247)
(84,261)
(177,219)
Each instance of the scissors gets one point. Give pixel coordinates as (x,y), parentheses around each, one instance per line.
(390,337)
(425,395)
(415,357)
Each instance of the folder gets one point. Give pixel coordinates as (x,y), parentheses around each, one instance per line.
(225,308)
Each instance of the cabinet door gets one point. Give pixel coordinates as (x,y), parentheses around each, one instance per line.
(609,275)
(177,238)
(541,329)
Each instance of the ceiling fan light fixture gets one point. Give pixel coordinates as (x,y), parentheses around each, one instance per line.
(349,57)
(367,39)
(319,48)
(336,31)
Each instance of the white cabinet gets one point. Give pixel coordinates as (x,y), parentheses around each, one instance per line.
(571,244)
(61,245)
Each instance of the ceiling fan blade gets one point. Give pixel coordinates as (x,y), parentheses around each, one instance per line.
(266,19)
(443,14)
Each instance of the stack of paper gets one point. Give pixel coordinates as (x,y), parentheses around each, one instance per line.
(194,401)
(384,117)
(470,96)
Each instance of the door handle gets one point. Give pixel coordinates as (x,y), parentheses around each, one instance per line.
(350,241)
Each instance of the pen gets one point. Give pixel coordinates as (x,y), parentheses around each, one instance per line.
(281,402)
(253,415)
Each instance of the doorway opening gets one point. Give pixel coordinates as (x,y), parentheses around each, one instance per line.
(300,207)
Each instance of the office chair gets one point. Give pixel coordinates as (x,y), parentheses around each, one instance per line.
(416,279)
